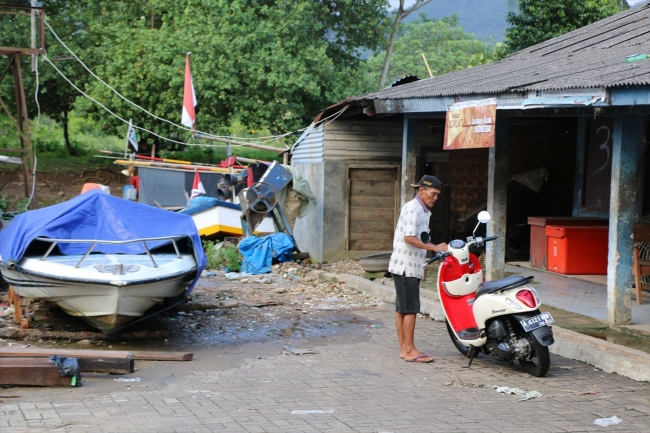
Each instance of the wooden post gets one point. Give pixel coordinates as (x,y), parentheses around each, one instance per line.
(495,254)
(18,312)
(627,145)
(409,158)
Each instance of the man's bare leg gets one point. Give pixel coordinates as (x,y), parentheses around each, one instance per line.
(405,324)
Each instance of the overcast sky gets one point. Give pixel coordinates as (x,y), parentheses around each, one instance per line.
(407,3)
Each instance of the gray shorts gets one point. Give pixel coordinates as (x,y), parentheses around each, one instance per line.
(407,291)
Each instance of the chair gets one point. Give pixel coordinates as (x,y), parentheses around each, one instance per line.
(641,258)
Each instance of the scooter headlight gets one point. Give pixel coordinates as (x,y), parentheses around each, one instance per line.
(527,298)
(512,304)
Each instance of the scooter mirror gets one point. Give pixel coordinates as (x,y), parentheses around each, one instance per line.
(425,238)
(484,217)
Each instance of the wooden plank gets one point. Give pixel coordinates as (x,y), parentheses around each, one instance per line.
(372,235)
(163,356)
(367,188)
(368,213)
(383,224)
(371,245)
(32,372)
(374,175)
(106,354)
(365,201)
(106,365)
(45,352)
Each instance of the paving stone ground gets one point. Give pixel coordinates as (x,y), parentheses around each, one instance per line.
(355,383)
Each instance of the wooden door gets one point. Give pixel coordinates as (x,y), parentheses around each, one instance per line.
(372,208)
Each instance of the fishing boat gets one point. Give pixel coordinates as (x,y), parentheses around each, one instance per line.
(104,259)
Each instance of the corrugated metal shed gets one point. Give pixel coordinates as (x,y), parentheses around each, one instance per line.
(590,57)
(310,149)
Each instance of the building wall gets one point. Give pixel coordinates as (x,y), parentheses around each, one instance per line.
(359,143)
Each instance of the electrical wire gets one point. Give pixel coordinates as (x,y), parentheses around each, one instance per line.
(264,139)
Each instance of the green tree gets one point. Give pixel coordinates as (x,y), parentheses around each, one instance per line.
(273,63)
(446,46)
(540,20)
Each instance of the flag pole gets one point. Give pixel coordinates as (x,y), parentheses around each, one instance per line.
(126,145)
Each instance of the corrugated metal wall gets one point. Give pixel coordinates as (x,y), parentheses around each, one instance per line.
(310,150)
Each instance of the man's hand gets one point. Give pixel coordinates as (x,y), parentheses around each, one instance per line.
(417,243)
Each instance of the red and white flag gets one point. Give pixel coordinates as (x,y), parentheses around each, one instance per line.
(197,186)
(189,98)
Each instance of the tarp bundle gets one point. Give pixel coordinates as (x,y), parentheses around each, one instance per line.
(259,252)
(97,215)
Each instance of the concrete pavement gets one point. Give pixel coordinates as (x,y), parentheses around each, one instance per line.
(354,383)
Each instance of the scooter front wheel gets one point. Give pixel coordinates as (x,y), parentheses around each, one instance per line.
(540,360)
(464,350)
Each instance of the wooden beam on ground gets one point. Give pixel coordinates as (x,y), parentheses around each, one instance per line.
(41,334)
(6,352)
(31,372)
(106,365)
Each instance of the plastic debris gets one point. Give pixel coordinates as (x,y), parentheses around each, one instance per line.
(298,351)
(527,395)
(233,275)
(208,274)
(606,422)
(127,379)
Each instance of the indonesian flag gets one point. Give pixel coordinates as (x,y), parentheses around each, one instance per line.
(197,186)
(189,98)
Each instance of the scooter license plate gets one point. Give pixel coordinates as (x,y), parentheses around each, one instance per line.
(537,321)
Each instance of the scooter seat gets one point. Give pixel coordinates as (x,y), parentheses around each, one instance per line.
(506,283)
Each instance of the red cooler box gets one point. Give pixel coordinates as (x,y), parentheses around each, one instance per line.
(539,241)
(577,250)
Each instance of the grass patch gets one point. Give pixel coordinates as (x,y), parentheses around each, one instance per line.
(222,255)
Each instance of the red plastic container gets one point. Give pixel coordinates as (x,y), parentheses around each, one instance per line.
(577,250)
(539,240)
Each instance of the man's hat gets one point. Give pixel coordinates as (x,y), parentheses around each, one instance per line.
(429,182)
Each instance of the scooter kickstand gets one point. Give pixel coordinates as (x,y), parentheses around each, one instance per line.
(471,355)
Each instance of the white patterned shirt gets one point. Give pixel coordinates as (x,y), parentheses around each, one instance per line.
(407,259)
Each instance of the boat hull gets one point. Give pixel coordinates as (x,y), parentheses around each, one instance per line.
(95,292)
(221,220)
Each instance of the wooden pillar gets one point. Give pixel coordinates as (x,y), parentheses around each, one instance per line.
(627,144)
(495,254)
(409,158)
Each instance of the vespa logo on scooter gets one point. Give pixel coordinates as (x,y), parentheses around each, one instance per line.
(498,311)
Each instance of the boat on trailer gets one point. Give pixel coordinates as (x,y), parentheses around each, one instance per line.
(102,258)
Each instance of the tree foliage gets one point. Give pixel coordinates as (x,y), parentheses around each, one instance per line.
(446,46)
(261,63)
(540,20)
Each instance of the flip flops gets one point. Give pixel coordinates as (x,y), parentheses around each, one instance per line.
(423,359)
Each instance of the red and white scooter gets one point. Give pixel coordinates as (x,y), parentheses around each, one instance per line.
(499,318)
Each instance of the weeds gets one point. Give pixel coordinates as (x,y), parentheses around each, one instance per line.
(222,255)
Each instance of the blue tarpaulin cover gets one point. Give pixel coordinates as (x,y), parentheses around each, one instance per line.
(259,252)
(97,215)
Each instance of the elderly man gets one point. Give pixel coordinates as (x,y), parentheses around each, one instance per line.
(407,263)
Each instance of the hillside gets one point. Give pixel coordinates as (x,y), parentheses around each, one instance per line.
(485,18)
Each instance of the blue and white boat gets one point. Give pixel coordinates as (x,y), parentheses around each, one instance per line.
(102,258)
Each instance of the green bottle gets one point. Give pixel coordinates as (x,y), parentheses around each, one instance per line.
(636,58)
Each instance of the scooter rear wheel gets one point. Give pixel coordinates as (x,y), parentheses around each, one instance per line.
(464,350)
(540,360)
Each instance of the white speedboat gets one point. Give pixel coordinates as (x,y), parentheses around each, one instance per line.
(102,258)
(106,290)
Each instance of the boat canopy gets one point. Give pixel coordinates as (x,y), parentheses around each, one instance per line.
(96,215)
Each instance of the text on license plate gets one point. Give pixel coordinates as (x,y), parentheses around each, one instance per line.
(536,321)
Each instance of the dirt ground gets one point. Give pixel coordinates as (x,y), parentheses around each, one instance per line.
(58,186)
(224,309)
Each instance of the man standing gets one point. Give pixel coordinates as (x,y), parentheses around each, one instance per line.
(407,263)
